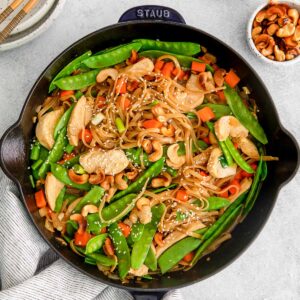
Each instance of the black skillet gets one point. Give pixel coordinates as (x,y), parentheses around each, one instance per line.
(157,22)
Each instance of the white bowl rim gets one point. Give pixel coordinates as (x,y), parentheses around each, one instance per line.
(296,4)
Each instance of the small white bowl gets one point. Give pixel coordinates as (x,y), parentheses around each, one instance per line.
(295,4)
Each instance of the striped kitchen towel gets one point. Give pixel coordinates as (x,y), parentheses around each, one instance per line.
(29,269)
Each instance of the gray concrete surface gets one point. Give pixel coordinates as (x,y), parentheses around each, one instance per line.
(270,268)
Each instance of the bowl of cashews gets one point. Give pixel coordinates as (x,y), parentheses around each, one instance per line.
(273,32)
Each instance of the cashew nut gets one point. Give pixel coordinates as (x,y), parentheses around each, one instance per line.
(104,74)
(215,168)
(261,15)
(272,29)
(158,151)
(143,201)
(219,75)
(133,217)
(145,214)
(147,146)
(229,126)
(268,50)
(279,54)
(262,41)
(170,131)
(165,180)
(296,36)
(283,21)
(174,160)
(289,42)
(89,209)
(132,174)
(248,147)
(275,11)
(108,182)
(80,179)
(143,270)
(286,30)
(255,32)
(98,177)
(294,15)
(120,182)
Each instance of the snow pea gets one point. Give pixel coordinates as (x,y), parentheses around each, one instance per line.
(222,145)
(215,203)
(121,249)
(36,165)
(69,68)
(173,255)
(134,155)
(94,224)
(102,259)
(118,209)
(171,171)
(71,162)
(141,247)
(77,82)
(136,186)
(95,243)
(63,122)
(55,153)
(185,48)
(185,61)
(90,261)
(113,56)
(219,110)
(254,190)
(59,200)
(210,231)
(159,190)
(136,232)
(151,260)
(242,113)
(237,157)
(71,227)
(61,174)
(92,197)
(221,229)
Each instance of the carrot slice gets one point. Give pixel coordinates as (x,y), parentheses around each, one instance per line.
(124,228)
(100,101)
(205,114)
(134,57)
(88,136)
(158,65)
(224,194)
(123,102)
(182,195)
(40,199)
(158,238)
(167,69)
(232,79)
(81,239)
(221,95)
(153,123)
(198,67)
(236,187)
(189,257)
(178,72)
(65,94)
(121,86)
(109,248)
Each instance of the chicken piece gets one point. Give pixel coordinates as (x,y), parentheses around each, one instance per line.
(80,117)
(45,128)
(52,189)
(111,162)
(248,147)
(143,270)
(141,68)
(193,84)
(215,168)
(229,126)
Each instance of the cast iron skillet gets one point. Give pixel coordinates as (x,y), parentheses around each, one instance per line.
(166,24)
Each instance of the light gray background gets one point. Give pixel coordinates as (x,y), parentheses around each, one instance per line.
(270,268)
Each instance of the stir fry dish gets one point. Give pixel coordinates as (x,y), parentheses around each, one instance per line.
(145,157)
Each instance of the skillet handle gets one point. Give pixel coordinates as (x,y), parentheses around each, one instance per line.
(148,296)
(152,13)
(13,153)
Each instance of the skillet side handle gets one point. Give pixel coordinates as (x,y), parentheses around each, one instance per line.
(148,296)
(289,156)
(13,153)
(152,13)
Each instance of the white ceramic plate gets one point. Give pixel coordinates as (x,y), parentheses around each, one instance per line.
(36,22)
